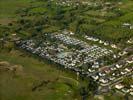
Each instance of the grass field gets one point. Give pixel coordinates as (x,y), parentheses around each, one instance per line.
(8,9)
(92,20)
(61,86)
(113,29)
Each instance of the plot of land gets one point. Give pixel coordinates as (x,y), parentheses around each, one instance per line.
(8,9)
(37,80)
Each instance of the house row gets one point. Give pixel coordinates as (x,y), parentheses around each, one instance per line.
(75,59)
(112,73)
(105,43)
(83,60)
(121,87)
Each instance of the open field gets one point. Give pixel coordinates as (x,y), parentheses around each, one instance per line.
(113,29)
(8,9)
(38,79)
(60,86)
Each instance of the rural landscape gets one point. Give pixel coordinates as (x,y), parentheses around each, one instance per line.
(66,49)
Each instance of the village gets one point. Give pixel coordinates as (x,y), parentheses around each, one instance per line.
(84,59)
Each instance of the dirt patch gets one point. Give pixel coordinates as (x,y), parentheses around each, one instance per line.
(6,66)
(42,83)
(6,21)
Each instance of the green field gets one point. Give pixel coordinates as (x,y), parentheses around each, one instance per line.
(19,86)
(8,9)
(104,24)
(107,25)
(62,85)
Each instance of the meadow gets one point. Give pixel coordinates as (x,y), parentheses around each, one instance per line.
(59,84)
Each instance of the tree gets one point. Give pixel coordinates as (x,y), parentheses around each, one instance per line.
(89,89)
(127,81)
(84,93)
(92,86)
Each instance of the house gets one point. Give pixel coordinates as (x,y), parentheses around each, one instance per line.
(104,81)
(112,68)
(122,53)
(126,24)
(125,90)
(91,70)
(118,66)
(123,72)
(131,93)
(112,78)
(119,86)
(95,65)
(107,70)
(128,70)
(130,61)
(114,56)
(101,41)
(71,33)
(131,27)
(95,77)
(130,41)
(113,46)
(131,86)
(105,43)
(102,74)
